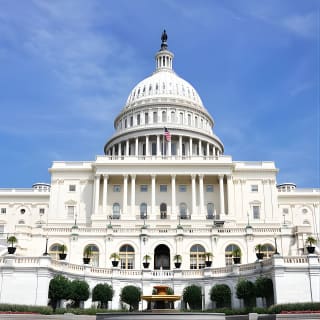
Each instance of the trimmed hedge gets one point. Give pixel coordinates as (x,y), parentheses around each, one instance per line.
(307,306)
(25,308)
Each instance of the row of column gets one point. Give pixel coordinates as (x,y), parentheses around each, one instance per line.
(112,150)
(97,186)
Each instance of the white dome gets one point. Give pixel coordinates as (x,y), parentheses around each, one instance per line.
(164,83)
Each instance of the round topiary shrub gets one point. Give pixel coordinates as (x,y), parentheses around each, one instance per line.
(131,295)
(264,289)
(103,293)
(246,290)
(59,288)
(192,296)
(79,291)
(221,294)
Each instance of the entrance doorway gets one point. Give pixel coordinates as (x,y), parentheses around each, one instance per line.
(161,257)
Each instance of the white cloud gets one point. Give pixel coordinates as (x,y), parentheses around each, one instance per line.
(302,25)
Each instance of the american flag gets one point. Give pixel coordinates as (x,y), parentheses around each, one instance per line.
(167,134)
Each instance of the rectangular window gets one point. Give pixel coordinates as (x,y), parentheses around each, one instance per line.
(173,149)
(3,210)
(163,188)
(72,187)
(143,188)
(285,210)
(41,210)
(146,118)
(182,188)
(209,188)
(254,188)
(256,212)
(131,121)
(71,210)
(138,119)
(116,188)
(154,149)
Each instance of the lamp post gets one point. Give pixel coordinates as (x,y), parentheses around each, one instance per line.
(47,238)
(46,250)
(275,245)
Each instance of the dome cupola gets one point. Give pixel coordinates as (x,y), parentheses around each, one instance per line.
(164,100)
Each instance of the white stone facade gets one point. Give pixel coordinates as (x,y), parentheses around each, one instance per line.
(161,196)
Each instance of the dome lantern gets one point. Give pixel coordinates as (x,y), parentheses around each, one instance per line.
(164,57)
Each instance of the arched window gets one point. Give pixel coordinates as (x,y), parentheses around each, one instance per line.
(183,209)
(210,210)
(229,253)
(116,211)
(54,251)
(94,256)
(164,116)
(155,117)
(173,116)
(268,250)
(181,117)
(126,257)
(143,210)
(163,211)
(197,258)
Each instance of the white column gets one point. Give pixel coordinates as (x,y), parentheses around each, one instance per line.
(147,146)
(173,194)
(113,150)
(190,146)
(213,151)
(199,147)
(158,146)
(230,195)
(133,194)
(105,194)
(222,211)
(137,147)
(208,149)
(119,149)
(153,194)
(125,194)
(201,200)
(244,210)
(169,149)
(193,186)
(127,147)
(180,146)
(96,193)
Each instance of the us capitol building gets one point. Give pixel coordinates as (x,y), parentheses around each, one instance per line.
(163,187)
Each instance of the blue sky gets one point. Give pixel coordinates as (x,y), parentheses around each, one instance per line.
(67,68)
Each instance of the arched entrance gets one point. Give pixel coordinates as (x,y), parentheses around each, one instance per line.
(161,257)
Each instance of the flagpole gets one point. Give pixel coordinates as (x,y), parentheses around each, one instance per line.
(162,145)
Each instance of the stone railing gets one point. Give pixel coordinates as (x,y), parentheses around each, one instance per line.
(88,270)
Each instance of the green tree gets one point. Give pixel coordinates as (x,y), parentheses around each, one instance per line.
(59,288)
(131,295)
(264,289)
(246,290)
(221,294)
(192,296)
(79,291)
(103,293)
